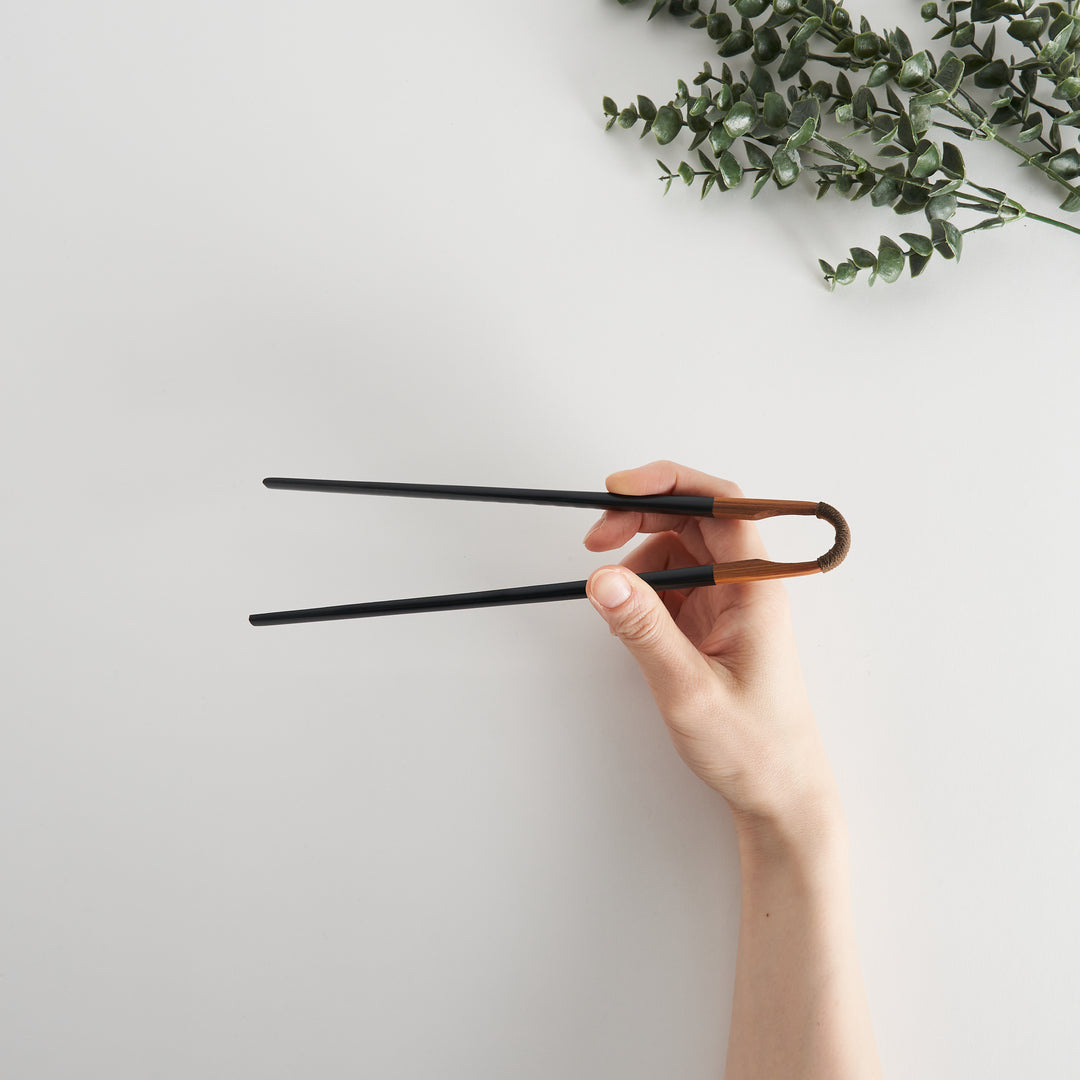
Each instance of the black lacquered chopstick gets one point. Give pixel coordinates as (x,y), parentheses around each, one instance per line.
(684,505)
(529,594)
(679,505)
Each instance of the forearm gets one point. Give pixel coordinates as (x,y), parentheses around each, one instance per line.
(800,1010)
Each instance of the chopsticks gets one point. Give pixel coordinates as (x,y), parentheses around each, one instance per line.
(677,505)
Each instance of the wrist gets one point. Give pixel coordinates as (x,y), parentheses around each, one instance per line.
(806,831)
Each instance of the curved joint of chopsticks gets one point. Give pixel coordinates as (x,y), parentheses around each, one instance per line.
(842,545)
(763,569)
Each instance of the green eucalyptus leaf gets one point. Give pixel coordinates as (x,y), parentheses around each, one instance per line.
(804,134)
(918,243)
(1066,165)
(785,167)
(947,239)
(805,32)
(952,161)
(1071,204)
(921,118)
(1068,88)
(610,107)
(890,260)
(863,258)
(730,169)
(1026,29)
(964,36)
(927,160)
(628,118)
(866,46)
(720,139)
(740,119)
(793,62)
(915,71)
(735,43)
(917,263)
(646,108)
(667,124)
(880,74)
(885,191)
(846,273)
(761,82)
(686,172)
(950,74)
(941,207)
(750,9)
(756,156)
(1032,128)
(996,73)
(767,45)
(718,25)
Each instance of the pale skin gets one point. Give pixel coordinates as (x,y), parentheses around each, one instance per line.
(723,668)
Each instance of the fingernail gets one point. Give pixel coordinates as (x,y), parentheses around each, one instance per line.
(596,525)
(610,589)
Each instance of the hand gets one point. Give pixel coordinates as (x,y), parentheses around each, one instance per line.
(720,661)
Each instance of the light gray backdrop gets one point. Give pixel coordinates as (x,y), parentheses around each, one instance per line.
(393,242)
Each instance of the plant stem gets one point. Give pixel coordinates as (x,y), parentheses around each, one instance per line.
(1052,221)
(992,132)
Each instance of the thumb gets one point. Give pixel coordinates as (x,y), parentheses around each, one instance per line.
(674,669)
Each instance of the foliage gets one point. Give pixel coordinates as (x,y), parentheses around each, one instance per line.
(894,103)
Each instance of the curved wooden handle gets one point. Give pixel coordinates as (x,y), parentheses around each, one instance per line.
(764,569)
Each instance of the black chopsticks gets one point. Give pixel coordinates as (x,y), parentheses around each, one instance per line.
(677,505)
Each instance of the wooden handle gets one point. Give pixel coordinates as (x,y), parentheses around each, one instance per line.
(764,569)
(756,509)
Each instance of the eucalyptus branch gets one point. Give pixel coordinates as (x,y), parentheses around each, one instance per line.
(751,127)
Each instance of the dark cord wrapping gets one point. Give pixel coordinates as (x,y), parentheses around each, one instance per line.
(838,552)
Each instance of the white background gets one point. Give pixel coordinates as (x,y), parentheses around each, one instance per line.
(393,242)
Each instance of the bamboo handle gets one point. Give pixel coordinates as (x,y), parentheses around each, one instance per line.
(765,570)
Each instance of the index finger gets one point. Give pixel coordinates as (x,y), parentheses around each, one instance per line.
(706,539)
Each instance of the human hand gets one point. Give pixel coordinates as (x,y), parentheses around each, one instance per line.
(721,661)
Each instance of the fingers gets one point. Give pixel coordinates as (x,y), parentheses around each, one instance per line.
(665,551)
(669,478)
(706,539)
(675,671)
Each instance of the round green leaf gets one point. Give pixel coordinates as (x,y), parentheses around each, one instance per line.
(915,71)
(996,73)
(1026,29)
(793,62)
(1068,89)
(845,273)
(1066,165)
(890,263)
(667,125)
(719,139)
(740,119)
(804,134)
(774,111)
(918,243)
(730,169)
(927,160)
(767,45)
(785,167)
